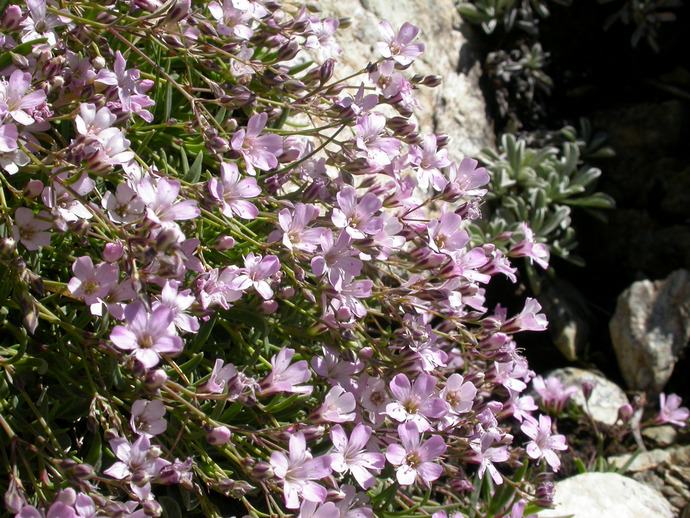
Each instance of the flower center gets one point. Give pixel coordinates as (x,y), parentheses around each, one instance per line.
(413,459)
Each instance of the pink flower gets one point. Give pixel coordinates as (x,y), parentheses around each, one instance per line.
(321,39)
(220,287)
(315,510)
(30,230)
(8,138)
(357,218)
(671,412)
(430,160)
(147,335)
(147,417)
(285,377)
(529,319)
(160,197)
(415,459)
(351,455)
(178,301)
(124,206)
(259,151)
(399,46)
(91,122)
(255,272)
(336,260)
(232,192)
(232,21)
(299,470)
(131,90)
(446,234)
(293,228)
(459,394)
(137,461)
(338,406)
(528,247)
(15,101)
(554,396)
(465,180)
(543,443)
(415,403)
(486,454)
(220,376)
(92,283)
(378,150)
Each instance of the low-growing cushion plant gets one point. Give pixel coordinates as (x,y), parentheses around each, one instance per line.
(240,281)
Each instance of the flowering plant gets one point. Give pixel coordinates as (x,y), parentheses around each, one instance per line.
(239,282)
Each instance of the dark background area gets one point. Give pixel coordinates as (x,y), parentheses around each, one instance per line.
(641,99)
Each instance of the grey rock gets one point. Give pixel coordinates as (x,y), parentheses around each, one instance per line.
(606,495)
(650,328)
(457,106)
(644,461)
(663,435)
(606,397)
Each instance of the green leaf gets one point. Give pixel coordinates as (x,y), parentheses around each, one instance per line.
(580,466)
(95,453)
(195,170)
(598,200)
(170,507)
(168,102)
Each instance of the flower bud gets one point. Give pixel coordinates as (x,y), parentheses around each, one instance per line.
(18,60)
(268,307)
(326,70)
(179,11)
(431,81)
(113,252)
(155,379)
(442,140)
(288,51)
(225,243)
(83,471)
(7,246)
(587,388)
(262,471)
(98,62)
(13,498)
(366,353)
(11,19)
(219,435)
(625,412)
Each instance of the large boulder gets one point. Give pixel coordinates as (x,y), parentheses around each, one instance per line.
(606,397)
(457,107)
(650,328)
(606,495)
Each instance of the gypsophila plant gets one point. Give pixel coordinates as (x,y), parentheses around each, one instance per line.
(519,81)
(534,189)
(646,17)
(240,281)
(506,14)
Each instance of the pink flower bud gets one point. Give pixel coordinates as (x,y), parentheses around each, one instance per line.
(269,307)
(625,412)
(225,243)
(155,379)
(113,252)
(219,435)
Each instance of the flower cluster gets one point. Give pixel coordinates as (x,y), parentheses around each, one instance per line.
(246,276)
